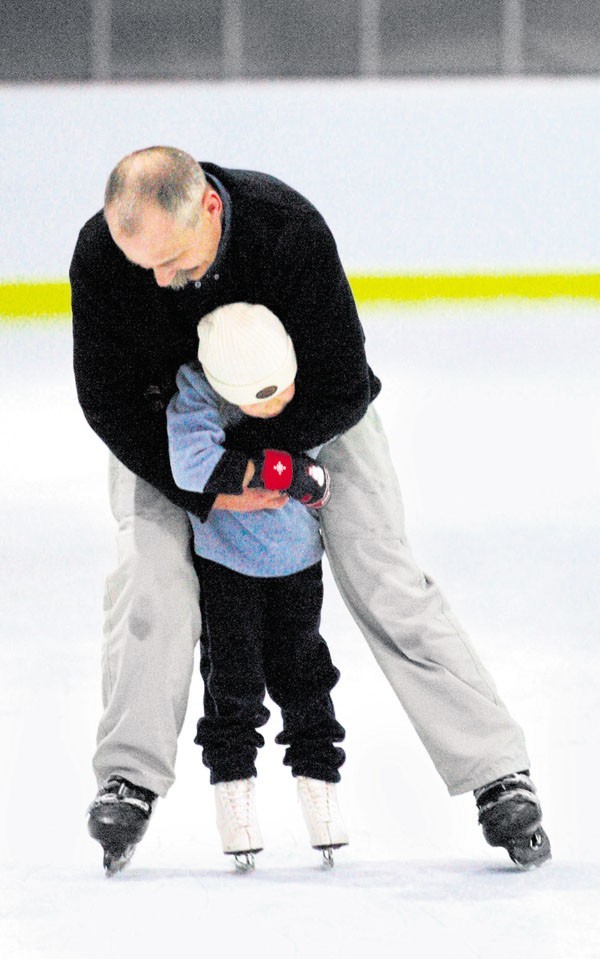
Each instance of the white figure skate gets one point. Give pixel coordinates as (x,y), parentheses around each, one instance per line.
(237,821)
(322,816)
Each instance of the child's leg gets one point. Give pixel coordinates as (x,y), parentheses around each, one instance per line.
(300,675)
(231,666)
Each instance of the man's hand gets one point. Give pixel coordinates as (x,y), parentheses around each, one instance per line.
(251,500)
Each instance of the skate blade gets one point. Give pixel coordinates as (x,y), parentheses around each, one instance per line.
(328,860)
(244,861)
(327,853)
(533,854)
(114,864)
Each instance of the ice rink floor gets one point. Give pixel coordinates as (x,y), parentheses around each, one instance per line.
(493,414)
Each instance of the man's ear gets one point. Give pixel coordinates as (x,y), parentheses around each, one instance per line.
(212,203)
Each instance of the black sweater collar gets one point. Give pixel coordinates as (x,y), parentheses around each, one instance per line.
(225,225)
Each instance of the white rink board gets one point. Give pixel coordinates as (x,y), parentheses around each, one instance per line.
(413,176)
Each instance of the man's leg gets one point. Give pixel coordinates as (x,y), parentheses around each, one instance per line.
(152,622)
(447,693)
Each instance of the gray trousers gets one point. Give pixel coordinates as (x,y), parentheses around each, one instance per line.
(152,624)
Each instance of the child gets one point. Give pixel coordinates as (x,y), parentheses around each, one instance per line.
(260,578)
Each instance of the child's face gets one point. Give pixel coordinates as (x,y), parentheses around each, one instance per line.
(273,407)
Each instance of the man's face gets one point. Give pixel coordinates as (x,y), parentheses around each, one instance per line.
(175,253)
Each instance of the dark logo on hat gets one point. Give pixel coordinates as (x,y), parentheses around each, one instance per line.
(264,394)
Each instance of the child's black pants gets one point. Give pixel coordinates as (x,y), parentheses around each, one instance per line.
(258,633)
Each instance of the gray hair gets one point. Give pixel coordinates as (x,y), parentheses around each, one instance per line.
(160,176)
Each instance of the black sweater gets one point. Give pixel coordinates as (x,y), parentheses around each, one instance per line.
(131,336)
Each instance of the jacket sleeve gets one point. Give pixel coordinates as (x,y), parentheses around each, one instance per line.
(198,460)
(112,385)
(315,303)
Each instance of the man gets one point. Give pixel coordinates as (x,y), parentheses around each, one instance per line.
(176,239)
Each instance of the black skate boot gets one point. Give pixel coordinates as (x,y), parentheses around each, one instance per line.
(511,816)
(118,818)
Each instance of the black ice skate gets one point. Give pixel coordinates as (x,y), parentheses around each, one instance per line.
(118,818)
(510,815)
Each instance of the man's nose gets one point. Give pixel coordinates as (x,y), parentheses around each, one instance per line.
(163,275)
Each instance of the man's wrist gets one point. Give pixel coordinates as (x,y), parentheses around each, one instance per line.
(249,474)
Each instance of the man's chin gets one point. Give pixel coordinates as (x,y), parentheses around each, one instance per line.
(179,281)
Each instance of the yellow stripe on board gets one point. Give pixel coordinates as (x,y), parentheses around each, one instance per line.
(398,289)
(34,299)
(24,300)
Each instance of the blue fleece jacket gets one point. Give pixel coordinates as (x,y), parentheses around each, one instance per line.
(263,543)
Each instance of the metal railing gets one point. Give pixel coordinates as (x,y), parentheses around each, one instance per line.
(370,54)
(113,40)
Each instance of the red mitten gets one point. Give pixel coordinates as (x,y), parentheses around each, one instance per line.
(298,475)
(276,469)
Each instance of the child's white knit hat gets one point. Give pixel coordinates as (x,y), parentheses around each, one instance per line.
(245,352)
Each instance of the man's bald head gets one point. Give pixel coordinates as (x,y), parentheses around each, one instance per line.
(163,177)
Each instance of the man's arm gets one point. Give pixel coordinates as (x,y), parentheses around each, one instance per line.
(310,293)
(333,382)
(112,382)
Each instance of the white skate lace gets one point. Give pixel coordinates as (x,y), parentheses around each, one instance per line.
(122,795)
(109,798)
(320,798)
(508,783)
(237,801)
(506,789)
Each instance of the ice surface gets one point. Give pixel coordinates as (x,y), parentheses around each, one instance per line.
(493,413)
